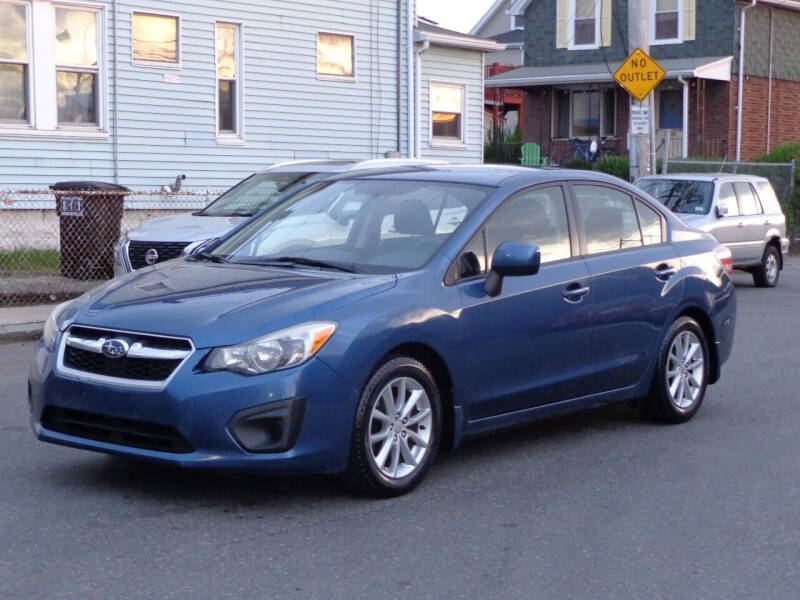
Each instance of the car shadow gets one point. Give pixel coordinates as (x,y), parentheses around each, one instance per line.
(191,489)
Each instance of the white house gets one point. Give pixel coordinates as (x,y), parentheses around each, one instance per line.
(136,91)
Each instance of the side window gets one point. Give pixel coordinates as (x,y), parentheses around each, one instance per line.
(727,198)
(650,223)
(609,219)
(768,198)
(748,204)
(536,217)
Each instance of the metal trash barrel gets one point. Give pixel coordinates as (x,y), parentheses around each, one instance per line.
(89,214)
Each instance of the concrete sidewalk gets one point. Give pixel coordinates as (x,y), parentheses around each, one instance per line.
(23,322)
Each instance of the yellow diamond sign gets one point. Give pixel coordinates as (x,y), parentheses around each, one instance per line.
(639,74)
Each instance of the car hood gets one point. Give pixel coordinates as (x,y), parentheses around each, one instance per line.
(221,304)
(184,228)
(700,222)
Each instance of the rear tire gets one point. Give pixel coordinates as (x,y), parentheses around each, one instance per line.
(397,429)
(768,273)
(681,377)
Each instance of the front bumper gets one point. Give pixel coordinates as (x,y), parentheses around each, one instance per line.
(219,414)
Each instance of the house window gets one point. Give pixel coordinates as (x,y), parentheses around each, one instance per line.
(584,113)
(77,67)
(518,22)
(335,55)
(14,63)
(229,92)
(584,23)
(155,40)
(665,20)
(52,79)
(447,109)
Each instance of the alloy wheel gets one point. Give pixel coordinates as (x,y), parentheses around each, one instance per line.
(685,371)
(400,428)
(771,267)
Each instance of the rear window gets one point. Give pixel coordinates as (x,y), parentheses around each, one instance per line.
(680,195)
(768,198)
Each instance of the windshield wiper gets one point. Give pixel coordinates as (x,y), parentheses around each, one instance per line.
(306,262)
(206,256)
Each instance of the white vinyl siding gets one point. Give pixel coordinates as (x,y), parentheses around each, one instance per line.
(453,66)
(168,125)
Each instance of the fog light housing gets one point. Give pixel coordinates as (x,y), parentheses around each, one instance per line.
(270,427)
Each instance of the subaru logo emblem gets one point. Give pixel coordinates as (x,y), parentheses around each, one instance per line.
(115,348)
(151,256)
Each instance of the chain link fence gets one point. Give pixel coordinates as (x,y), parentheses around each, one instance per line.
(54,245)
(783,177)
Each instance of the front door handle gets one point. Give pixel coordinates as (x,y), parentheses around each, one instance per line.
(575,292)
(664,271)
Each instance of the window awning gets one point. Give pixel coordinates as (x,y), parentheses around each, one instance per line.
(713,67)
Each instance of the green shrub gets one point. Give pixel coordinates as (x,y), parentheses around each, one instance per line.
(579,163)
(619,166)
(785,154)
(500,148)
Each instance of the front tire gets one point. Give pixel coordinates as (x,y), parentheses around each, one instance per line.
(681,377)
(768,273)
(397,429)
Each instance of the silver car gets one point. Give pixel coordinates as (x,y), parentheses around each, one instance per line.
(741,211)
(166,238)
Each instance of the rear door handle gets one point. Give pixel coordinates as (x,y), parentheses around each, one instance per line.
(740,224)
(664,271)
(575,292)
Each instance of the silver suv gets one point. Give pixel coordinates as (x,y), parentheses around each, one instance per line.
(741,211)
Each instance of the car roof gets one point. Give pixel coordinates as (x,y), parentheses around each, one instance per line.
(476,174)
(705,177)
(340,166)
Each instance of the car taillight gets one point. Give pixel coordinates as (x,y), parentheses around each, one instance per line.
(725,258)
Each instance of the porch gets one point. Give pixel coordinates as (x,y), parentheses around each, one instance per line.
(564,105)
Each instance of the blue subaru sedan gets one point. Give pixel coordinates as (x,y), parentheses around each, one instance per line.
(376,319)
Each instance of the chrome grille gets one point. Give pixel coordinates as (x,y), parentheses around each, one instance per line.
(166,251)
(149,361)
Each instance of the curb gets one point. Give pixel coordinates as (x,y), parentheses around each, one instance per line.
(23,332)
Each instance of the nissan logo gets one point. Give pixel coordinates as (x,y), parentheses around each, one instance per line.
(151,256)
(115,348)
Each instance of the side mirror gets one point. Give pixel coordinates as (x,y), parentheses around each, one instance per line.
(512,259)
(722,210)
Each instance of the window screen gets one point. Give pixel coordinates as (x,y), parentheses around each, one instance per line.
(537,217)
(609,219)
(650,223)
(727,198)
(748,204)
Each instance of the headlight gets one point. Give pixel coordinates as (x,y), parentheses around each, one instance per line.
(51,326)
(279,350)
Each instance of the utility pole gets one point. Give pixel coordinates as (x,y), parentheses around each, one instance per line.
(638,38)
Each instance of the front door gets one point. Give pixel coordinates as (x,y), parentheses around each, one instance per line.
(528,345)
(728,228)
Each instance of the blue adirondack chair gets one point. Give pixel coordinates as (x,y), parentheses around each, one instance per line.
(532,155)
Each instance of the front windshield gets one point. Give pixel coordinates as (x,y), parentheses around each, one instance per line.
(365,226)
(680,195)
(256,192)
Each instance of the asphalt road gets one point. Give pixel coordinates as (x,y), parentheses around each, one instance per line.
(598,505)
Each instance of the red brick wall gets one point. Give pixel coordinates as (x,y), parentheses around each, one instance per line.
(784,117)
(709,125)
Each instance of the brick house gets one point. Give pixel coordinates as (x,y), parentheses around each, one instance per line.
(572,47)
